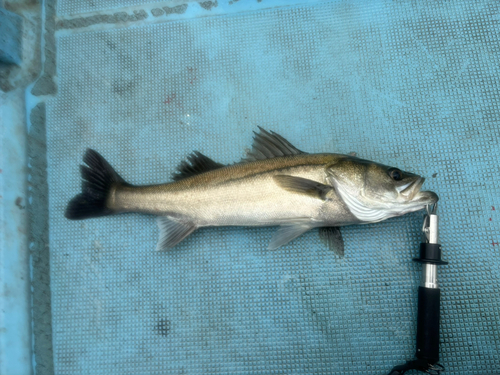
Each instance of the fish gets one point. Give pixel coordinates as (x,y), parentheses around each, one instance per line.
(276,184)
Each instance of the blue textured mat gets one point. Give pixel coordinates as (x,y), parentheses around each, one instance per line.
(415,86)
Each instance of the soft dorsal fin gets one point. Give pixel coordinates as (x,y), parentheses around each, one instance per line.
(270,145)
(196,163)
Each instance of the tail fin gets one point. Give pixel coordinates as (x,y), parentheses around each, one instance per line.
(98,179)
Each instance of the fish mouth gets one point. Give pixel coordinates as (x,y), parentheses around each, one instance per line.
(410,190)
(412,193)
(427,197)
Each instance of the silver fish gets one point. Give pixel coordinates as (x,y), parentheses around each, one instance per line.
(277,184)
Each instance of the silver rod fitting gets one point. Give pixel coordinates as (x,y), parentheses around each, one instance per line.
(429,276)
(433,229)
(429,270)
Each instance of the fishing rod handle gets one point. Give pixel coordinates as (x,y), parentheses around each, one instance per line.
(429,294)
(429,300)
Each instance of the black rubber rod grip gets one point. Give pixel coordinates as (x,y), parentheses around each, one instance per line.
(428,324)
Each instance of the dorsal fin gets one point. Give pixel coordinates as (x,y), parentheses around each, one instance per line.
(270,145)
(196,163)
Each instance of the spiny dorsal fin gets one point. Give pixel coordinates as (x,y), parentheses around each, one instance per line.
(270,145)
(196,163)
(302,186)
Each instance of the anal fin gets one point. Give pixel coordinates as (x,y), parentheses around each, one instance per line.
(286,233)
(172,231)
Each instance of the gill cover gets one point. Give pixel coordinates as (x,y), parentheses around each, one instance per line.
(372,191)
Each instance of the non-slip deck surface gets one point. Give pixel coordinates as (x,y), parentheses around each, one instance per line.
(405,84)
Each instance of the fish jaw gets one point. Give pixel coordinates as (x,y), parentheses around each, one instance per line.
(425,198)
(412,188)
(414,199)
(420,200)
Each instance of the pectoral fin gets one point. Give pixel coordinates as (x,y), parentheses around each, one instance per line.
(172,231)
(303,186)
(286,233)
(332,237)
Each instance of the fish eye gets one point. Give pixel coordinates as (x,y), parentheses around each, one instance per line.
(396,174)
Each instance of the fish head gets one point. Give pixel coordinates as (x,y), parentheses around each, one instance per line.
(374,192)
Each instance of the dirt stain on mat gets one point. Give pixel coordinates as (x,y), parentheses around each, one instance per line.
(19,202)
(162,327)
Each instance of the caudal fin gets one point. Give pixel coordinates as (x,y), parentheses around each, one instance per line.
(98,179)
